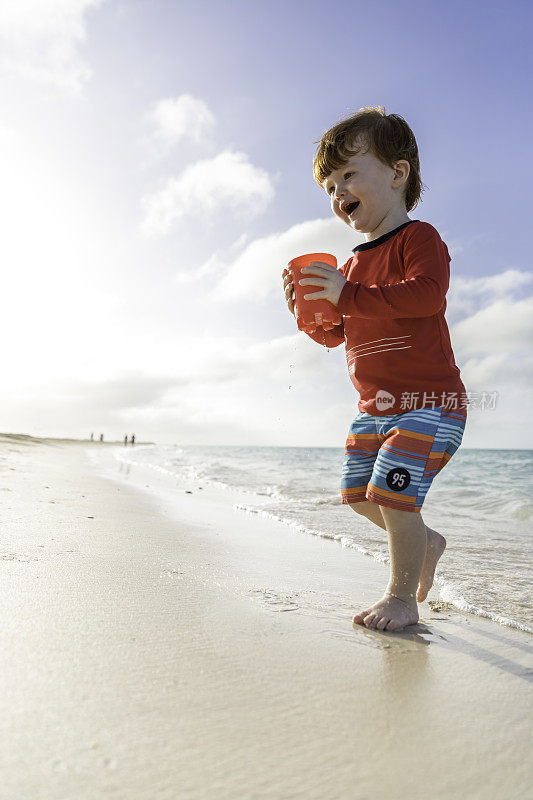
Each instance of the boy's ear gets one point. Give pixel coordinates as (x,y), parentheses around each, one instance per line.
(402,169)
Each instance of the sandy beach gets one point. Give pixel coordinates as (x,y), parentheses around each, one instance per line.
(158,643)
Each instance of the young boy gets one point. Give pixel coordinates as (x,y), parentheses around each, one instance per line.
(391,293)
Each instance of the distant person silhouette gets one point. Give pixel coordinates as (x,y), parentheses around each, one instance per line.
(92,437)
(125,440)
(133,438)
(101,437)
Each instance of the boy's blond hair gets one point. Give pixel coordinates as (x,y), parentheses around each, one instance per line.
(388,137)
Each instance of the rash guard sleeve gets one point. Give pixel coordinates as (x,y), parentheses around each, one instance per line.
(422,292)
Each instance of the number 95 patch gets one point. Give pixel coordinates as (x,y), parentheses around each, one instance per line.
(398,479)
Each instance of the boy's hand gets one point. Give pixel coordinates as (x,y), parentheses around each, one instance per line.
(331,279)
(288,287)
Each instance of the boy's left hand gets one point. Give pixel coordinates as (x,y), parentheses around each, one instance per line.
(329,277)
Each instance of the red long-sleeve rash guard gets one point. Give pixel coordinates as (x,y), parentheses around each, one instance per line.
(396,335)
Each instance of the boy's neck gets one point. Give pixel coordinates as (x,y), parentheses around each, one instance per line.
(388,223)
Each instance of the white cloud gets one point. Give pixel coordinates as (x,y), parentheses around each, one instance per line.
(465,294)
(493,330)
(262,392)
(39,40)
(221,389)
(215,264)
(224,359)
(492,347)
(209,187)
(177,118)
(503,326)
(256,272)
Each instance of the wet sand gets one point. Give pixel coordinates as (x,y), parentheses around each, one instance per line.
(160,644)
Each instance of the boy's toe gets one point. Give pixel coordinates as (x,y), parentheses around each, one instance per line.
(358,618)
(369,621)
(394,626)
(382,623)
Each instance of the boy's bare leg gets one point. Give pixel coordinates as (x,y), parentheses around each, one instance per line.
(407,545)
(435,545)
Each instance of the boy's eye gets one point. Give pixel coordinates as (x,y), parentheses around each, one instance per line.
(346,174)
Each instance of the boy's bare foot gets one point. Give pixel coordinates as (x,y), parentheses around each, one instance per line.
(436,544)
(389,614)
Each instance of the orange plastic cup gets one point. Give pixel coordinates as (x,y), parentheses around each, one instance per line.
(312,314)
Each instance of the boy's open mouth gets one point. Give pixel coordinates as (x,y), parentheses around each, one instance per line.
(348,208)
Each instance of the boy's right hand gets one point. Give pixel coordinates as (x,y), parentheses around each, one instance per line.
(288,287)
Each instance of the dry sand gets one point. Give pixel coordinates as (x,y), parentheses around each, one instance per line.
(164,645)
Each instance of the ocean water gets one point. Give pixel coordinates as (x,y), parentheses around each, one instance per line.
(482,502)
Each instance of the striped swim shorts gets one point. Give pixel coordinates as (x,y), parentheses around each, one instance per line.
(393,459)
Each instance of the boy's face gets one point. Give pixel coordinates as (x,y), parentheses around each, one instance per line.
(379,189)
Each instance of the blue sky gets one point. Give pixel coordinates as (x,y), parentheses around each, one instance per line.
(157,175)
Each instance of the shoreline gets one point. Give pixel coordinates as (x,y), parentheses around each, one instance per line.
(444,595)
(145,653)
(119,442)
